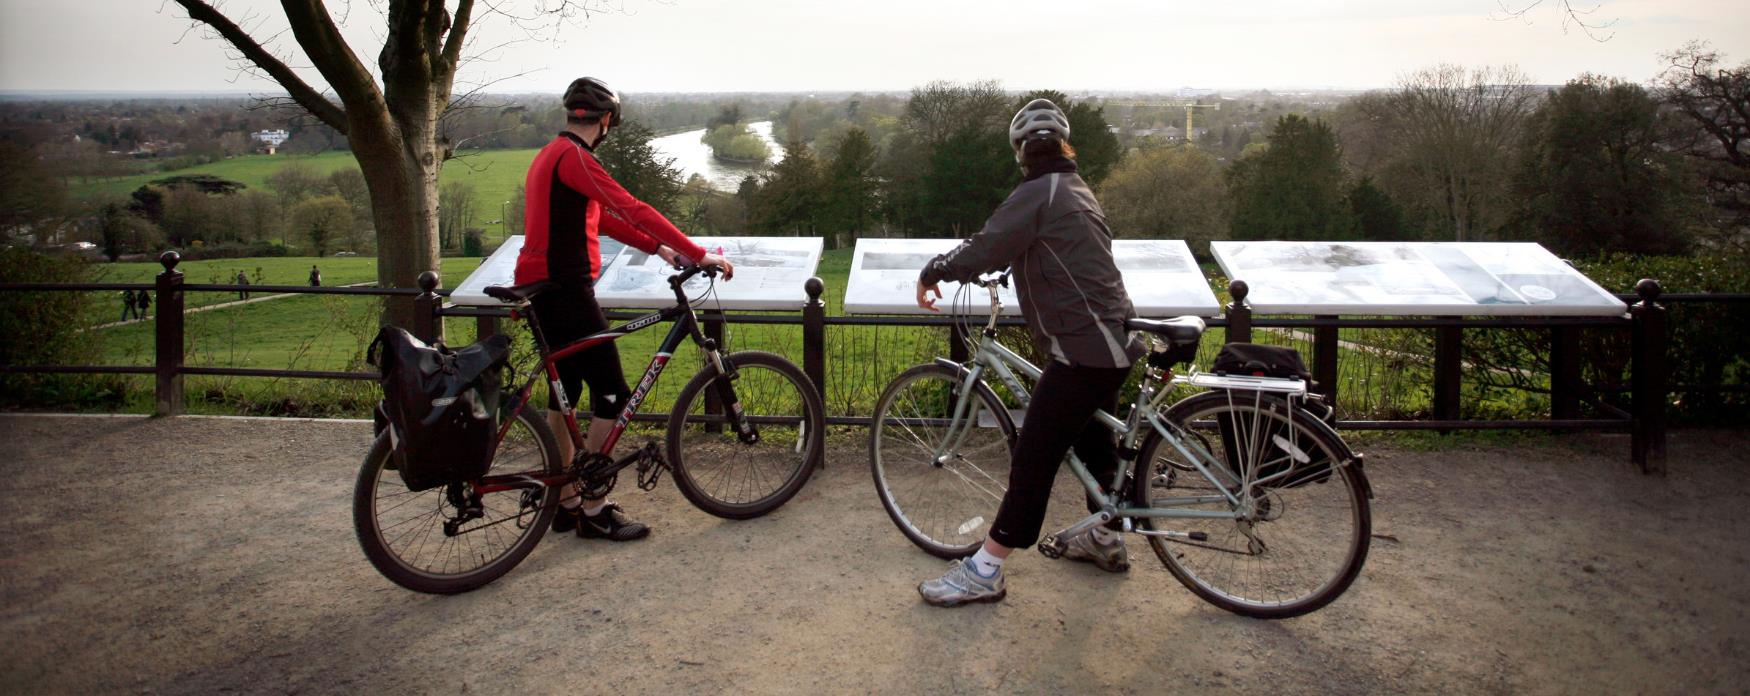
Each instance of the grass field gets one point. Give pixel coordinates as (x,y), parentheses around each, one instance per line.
(494,174)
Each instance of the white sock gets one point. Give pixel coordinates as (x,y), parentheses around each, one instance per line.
(595,508)
(1104,536)
(986,564)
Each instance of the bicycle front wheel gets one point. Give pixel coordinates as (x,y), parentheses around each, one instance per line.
(1300,533)
(940,479)
(726,474)
(423,541)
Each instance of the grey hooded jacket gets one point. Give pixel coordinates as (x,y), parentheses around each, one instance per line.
(1053,233)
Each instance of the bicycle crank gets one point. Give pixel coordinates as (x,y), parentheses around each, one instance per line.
(1052,547)
(650,466)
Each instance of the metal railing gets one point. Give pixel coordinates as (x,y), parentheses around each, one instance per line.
(1646,321)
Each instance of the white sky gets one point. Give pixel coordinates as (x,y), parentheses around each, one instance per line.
(800,45)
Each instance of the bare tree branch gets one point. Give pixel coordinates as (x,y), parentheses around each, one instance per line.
(1571,15)
(458,34)
(306,96)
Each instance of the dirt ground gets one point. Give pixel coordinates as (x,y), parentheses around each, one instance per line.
(202,555)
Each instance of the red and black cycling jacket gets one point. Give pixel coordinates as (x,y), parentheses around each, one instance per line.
(569,198)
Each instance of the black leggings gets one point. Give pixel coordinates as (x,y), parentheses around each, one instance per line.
(1059,416)
(568,313)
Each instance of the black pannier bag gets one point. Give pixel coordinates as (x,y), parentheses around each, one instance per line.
(440,405)
(1258,360)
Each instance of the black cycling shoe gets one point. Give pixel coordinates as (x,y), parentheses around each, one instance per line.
(565,519)
(611,524)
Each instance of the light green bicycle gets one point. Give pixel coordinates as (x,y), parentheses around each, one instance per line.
(1246,496)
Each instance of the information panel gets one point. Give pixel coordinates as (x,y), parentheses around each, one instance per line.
(1160,274)
(1412,278)
(769,274)
(500,269)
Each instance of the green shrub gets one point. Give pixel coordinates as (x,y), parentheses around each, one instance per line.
(44,328)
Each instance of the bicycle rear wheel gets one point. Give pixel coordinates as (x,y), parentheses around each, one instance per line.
(731,478)
(1306,533)
(943,504)
(404,532)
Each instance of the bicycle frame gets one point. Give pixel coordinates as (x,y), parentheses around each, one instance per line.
(686,324)
(1004,363)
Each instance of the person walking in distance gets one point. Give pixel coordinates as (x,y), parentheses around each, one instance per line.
(242,279)
(144,302)
(127,305)
(570,200)
(315,276)
(1053,233)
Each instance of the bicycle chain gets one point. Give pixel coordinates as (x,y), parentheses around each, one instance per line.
(650,466)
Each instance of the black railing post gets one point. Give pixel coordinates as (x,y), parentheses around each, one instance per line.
(1239,314)
(1647,378)
(1325,361)
(169,339)
(1564,373)
(1448,371)
(814,335)
(428,320)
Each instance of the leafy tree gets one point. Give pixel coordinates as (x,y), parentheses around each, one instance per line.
(1292,189)
(513,216)
(261,215)
(31,196)
(850,185)
(1170,193)
(1377,218)
(1715,130)
(204,183)
(737,143)
(629,156)
(121,231)
(788,203)
(322,220)
(950,164)
(1594,175)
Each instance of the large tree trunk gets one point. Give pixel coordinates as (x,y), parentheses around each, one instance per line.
(400,166)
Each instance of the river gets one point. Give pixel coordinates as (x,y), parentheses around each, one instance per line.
(692,157)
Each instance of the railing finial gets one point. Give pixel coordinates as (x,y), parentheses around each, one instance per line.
(813,286)
(1649,290)
(1239,290)
(169,259)
(428,281)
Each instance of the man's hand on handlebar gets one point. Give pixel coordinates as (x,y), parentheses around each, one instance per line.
(680,261)
(721,263)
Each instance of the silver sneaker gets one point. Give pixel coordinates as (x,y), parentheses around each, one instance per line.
(961,585)
(1108,557)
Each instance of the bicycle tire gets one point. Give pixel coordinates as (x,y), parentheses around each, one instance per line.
(1253,574)
(406,564)
(792,423)
(943,515)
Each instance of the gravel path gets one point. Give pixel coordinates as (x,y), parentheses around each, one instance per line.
(202,555)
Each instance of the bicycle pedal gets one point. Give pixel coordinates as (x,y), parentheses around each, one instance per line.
(1051,547)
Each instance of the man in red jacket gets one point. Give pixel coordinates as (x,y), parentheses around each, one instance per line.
(569,200)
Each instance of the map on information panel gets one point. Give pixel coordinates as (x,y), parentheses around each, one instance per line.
(1412,278)
(1160,274)
(769,274)
(500,269)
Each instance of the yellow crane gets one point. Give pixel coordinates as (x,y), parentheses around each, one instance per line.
(1189,107)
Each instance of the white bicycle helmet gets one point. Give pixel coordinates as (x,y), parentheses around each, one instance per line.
(1038,119)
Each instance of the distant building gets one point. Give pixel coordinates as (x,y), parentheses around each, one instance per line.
(271,139)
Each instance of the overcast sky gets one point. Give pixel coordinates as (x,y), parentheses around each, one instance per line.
(802,45)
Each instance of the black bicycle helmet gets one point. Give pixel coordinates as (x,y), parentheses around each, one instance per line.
(1038,119)
(589,98)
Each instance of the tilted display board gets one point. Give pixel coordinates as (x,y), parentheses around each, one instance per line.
(769,274)
(1412,278)
(500,269)
(1160,274)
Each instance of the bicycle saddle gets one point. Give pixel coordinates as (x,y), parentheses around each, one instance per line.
(1178,330)
(519,293)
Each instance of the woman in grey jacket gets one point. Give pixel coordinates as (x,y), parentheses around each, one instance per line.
(1053,233)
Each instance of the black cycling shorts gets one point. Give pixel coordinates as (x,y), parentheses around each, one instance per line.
(568,313)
